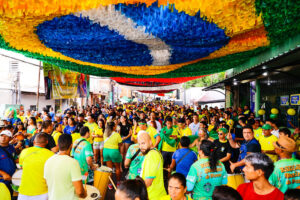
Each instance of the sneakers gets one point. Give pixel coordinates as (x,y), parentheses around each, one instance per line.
(110,186)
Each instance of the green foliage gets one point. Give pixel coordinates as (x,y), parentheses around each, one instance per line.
(206,80)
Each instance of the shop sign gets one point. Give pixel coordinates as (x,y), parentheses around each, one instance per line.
(284,100)
(295,99)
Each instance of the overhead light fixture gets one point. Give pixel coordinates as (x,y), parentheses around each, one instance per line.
(269,82)
(265,74)
(264,67)
(235,82)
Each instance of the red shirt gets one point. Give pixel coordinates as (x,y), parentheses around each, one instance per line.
(247,192)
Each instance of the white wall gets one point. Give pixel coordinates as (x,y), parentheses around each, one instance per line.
(28,80)
(30,99)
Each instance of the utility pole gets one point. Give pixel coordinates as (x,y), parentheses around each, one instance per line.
(38,89)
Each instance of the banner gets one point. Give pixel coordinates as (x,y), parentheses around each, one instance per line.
(284,100)
(295,99)
(64,84)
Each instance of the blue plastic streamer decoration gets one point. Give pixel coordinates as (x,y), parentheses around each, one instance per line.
(84,39)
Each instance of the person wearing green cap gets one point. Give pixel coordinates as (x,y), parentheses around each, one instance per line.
(266,142)
(223,150)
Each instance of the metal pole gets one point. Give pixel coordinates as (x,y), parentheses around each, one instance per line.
(184,94)
(257,97)
(38,89)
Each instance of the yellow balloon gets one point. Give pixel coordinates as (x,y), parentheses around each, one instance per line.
(291,111)
(274,111)
(261,112)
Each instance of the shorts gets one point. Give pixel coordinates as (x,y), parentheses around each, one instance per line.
(98,145)
(127,141)
(113,155)
(37,197)
(167,156)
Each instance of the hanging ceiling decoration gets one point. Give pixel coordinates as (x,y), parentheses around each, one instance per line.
(152,82)
(146,38)
(158,92)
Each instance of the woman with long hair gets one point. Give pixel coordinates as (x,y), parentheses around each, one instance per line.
(202,135)
(111,151)
(98,144)
(125,132)
(31,128)
(206,173)
(70,127)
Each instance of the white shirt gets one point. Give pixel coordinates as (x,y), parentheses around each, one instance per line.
(194,127)
(158,125)
(60,171)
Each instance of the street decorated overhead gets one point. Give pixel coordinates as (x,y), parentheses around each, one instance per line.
(146,38)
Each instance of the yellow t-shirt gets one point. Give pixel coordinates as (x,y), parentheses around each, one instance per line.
(150,130)
(152,168)
(38,120)
(113,141)
(92,127)
(75,136)
(98,131)
(33,160)
(167,197)
(166,146)
(184,132)
(56,135)
(4,192)
(22,118)
(266,144)
(258,132)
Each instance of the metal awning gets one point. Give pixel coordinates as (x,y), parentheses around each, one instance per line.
(285,63)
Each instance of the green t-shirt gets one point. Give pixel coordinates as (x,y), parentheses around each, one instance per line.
(83,151)
(152,168)
(286,174)
(136,164)
(203,180)
(59,172)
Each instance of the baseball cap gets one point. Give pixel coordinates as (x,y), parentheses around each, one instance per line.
(266,127)
(224,130)
(285,143)
(7,133)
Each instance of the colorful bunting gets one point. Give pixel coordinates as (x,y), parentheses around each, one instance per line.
(146,38)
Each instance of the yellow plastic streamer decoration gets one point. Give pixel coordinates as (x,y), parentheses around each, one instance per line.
(19,19)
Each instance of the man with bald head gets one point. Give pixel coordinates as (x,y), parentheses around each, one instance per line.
(32,160)
(152,167)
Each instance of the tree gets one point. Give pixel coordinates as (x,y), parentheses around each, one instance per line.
(206,80)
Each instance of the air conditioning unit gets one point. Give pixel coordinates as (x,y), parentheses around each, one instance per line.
(13,67)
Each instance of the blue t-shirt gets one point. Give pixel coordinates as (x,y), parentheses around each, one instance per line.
(250,146)
(52,115)
(69,129)
(13,121)
(6,164)
(185,164)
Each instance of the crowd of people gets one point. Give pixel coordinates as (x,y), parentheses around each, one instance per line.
(164,151)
